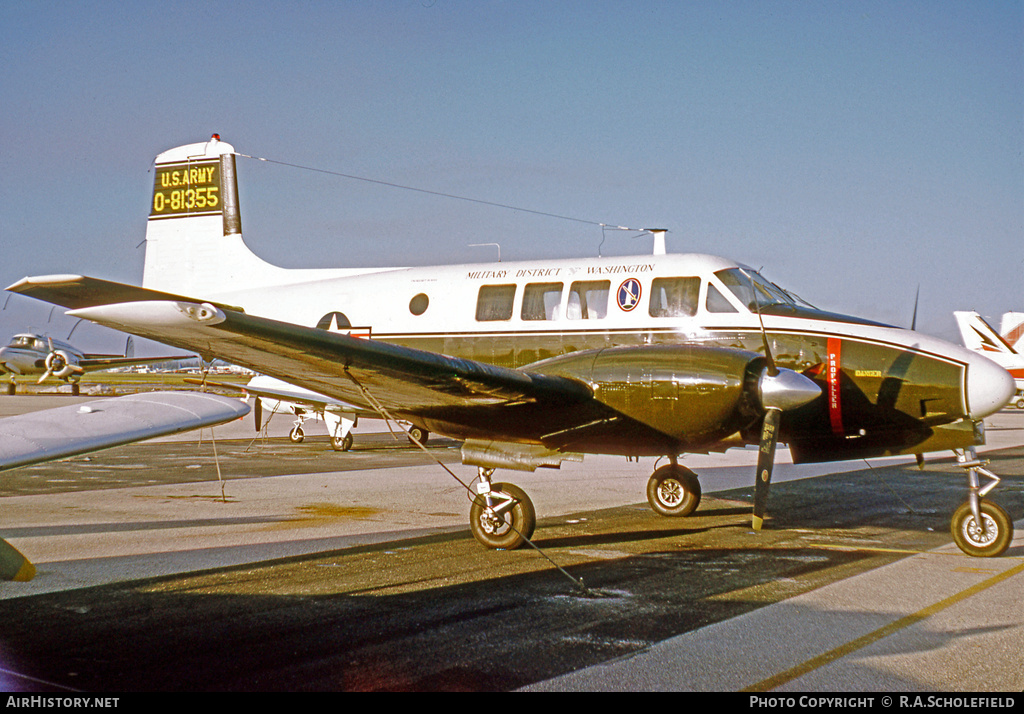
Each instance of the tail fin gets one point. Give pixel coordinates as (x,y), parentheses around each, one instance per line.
(979,336)
(194,240)
(1012,329)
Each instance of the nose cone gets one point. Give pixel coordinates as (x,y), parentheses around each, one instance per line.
(989,387)
(786,390)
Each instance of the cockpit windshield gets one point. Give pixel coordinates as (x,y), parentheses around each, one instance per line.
(755,292)
(25,341)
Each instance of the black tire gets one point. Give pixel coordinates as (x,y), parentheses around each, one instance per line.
(296,435)
(420,435)
(673,491)
(968,537)
(512,528)
(1020,403)
(342,444)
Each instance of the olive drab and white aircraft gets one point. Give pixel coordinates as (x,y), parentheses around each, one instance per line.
(31,354)
(532,363)
(981,337)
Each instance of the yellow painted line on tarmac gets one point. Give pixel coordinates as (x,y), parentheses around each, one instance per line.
(908,551)
(872,637)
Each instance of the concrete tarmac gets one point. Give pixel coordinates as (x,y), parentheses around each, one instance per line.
(855,585)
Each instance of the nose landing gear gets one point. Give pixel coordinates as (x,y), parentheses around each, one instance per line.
(980,528)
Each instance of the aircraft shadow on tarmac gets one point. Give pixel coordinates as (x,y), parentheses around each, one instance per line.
(441,613)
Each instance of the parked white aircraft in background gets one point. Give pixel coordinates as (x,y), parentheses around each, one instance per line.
(29,354)
(532,363)
(53,434)
(1012,330)
(277,396)
(981,337)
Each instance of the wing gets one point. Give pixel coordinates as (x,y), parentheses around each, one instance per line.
(404,382)
(597,401)
(95,363)
(53,434)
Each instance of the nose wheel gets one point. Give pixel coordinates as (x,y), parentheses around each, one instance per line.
(980,528)
(985,538)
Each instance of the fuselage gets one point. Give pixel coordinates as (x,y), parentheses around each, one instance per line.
(883,388)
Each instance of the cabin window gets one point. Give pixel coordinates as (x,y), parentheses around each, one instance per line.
(717,302)
(588,300)
(674,297)
(418,305)
(494,302)
(541,301)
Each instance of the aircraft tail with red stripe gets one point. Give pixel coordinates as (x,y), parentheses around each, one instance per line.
(1012,330)
(981,337)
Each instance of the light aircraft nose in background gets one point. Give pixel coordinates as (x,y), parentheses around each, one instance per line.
(532,363)
(29,354)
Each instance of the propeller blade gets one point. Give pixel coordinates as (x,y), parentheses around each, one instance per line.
(772,369)
(765,464)
(46,376)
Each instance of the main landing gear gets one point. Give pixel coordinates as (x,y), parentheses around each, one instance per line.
(673,490)
(980,528)
(502,515)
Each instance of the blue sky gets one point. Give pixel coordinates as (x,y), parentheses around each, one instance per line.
(852,150)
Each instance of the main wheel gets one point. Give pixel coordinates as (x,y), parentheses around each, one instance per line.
(342,444)
(296,434)
(511,526)
(1020,403)
(420,435)
(969,537)
(673,490)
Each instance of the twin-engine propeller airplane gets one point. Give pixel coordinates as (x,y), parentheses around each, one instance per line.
(532,363)
(31,354)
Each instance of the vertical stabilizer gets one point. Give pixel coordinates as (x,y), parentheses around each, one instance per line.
(1012,329)
(194,243)
(979,336)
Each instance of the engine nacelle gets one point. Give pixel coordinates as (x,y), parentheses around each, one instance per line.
(689,392)
(60,364)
